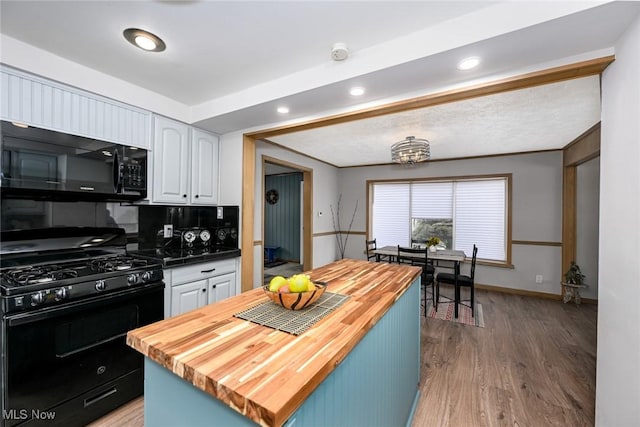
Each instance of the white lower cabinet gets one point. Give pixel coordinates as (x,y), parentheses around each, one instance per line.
(220,287)
(194,286)
(188,296)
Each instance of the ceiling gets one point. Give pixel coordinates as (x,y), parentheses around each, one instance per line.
(228,65)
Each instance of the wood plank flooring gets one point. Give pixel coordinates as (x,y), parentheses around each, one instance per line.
(533,364)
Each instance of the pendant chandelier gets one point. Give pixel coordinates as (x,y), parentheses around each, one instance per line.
(410,151)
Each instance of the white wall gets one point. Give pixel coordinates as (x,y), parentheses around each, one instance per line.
(536,211)
(618,358)
(587,202)
(324,192)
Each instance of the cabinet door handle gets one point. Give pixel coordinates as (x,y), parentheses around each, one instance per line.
(184,195)
(214,286)
(204,289)
(197,196)
(208,271)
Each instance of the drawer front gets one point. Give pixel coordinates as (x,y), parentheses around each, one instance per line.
(204,270)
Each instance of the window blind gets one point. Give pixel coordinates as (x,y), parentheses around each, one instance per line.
(480,218)
(478,209)
(432,200)
(391,214)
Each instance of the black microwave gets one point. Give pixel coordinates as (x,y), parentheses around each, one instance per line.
(47,165)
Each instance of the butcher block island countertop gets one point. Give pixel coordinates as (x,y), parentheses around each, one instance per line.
(266,374)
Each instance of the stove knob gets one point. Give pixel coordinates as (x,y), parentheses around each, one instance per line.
(100,285)
(146,276)
(132,279)
(37,298)
(61,294)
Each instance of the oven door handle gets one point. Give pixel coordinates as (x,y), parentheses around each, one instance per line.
(90,346)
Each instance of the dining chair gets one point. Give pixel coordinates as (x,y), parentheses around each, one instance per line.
(463,281)
(371,246)
(419,257)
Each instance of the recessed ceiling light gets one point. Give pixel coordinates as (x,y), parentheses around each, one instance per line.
(357,91)
(144,40)
(469,63)
(283,110)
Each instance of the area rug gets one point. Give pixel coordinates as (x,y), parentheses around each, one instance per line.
(446,309)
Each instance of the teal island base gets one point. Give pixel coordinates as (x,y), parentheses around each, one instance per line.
(375,385)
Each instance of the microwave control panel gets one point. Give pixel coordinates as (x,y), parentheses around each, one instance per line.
(133,176)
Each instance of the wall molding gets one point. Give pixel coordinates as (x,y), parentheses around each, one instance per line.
(330,233)
(535,243)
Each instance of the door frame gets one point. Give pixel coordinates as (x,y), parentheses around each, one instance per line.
(307,208)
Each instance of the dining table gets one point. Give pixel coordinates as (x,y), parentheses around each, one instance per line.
(451,255)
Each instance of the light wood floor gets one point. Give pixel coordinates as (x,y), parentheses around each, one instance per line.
(533,364)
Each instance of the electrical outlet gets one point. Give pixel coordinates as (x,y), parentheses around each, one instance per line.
(168,231)
(538,278)
(220,213)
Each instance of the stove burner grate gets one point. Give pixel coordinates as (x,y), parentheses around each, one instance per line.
(49,273)
(105,265)
(40,274)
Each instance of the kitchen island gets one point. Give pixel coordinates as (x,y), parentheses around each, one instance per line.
(360,365)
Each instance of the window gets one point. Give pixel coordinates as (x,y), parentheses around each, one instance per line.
(461,212)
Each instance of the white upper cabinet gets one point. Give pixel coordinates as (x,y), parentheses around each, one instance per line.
(171,161)
(45,104)
(204,168)
(185,164)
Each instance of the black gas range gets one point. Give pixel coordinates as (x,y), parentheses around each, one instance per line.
(31,287)
(68,297)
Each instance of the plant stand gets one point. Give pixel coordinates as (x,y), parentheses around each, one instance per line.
(571,291)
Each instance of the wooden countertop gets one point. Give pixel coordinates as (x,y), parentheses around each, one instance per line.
(263,373)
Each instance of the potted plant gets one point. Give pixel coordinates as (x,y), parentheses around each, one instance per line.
(574,275)
(433,242)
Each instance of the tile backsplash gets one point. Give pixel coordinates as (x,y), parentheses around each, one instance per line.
(27,214)
(153,219)
(142,223)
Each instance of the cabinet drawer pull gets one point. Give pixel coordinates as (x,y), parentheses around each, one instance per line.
(208,271)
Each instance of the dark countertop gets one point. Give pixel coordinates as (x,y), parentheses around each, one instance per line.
(180,257)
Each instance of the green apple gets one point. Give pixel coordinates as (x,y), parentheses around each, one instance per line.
(298,283)
(276,283)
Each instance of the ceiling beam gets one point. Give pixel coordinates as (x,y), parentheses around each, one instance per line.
(537,78)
